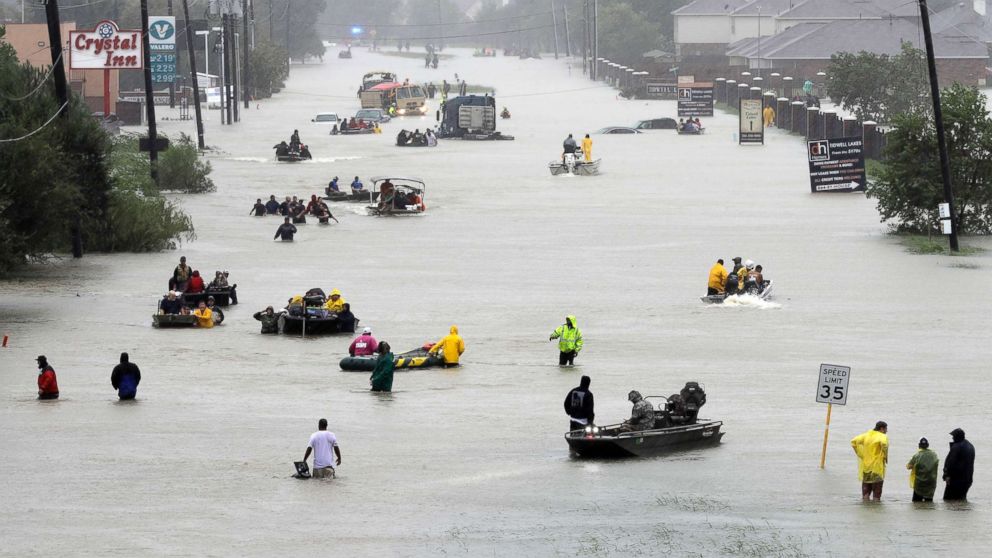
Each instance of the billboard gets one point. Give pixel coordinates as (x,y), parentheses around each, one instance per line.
(695,99)
(836,165)
(106,47)
(162,48)
(752,130)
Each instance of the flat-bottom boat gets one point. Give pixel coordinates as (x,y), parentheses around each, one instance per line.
(316,325)
(574,166)
(611,441)
(350,197)
(173,320)
(764,293)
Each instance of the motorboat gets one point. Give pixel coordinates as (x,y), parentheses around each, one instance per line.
(345,131)
(397,196)
(309,317)
(344,53)
(693,132)
(222,296)
(676,427)
(291,154)
(363,196)
(763,293)
(573,164)
(417,358)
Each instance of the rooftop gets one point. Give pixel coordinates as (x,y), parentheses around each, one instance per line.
(835,9)
(710,7)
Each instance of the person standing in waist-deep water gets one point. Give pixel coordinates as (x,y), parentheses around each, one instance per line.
(959,467)
(872,449)
(125,378)
(923,469)
(569,341)
(269,319)
(579,406)
(258,210)
(382,376)
(320,444)
(451,347)
(286,231)
(48,385)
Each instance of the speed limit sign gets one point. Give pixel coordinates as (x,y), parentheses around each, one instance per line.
(832,387)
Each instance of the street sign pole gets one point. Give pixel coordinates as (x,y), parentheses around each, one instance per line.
(831,389)
(826,435)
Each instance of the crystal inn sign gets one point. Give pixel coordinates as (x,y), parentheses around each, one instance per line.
(106,47)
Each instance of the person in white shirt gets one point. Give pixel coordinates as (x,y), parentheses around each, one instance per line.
(320,444)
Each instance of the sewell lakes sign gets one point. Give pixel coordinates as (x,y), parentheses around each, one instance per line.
(105,48)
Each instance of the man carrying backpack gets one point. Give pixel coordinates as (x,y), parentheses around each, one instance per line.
(579,406)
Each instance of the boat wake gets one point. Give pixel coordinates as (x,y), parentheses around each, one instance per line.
(746,301)
(248,159)
(331,159)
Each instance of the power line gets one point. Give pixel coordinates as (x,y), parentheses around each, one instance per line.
(42,127)
(469,35)
(378,25)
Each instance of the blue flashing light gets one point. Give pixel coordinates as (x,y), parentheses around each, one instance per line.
(356,30)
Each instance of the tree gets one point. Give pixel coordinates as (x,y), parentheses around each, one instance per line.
(878,86)
(909,186)
(624,34)
(269,68)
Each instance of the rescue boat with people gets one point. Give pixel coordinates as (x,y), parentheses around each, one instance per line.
(291,155)
(309,317)
(764,292)
(173,320)
(676,427)
(573,164)
(417,358)
(397,196)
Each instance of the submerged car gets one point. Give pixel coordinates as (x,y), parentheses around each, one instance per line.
(372,115)
(617,130)
(326,118)
(657,124)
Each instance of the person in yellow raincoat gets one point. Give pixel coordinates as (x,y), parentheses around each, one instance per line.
(872,449)
(335,302)
(769,114)
(718,279)
(587,148)
(204,317)
(569,338)
(451,347)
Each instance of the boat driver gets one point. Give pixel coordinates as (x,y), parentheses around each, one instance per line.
(641,416)
(356,186)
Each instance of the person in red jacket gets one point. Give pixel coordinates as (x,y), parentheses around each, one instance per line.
(195,284)
(48,386)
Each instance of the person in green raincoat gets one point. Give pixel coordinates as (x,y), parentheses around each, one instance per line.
(569,338)
(382,376)
(923,469)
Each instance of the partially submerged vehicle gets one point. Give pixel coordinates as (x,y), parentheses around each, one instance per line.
(397,195)
(417,358)
(676,427)
(472,117)
(373,115)
(345,53)
(617,130)
(311,318)
(657,124)
(763,292)
(572,163)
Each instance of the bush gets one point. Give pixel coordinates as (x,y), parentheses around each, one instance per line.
(180,168)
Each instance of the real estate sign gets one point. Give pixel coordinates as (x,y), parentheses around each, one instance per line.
(752,130)
(836,165)
(695,99)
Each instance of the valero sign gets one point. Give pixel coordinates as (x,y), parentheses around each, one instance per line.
(106,47)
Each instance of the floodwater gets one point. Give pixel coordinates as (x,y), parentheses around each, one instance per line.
(471,462)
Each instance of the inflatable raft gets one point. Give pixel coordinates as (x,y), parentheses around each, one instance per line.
(417,358)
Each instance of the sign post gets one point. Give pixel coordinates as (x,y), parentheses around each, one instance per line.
(752,129)
(836,165)
(831,389)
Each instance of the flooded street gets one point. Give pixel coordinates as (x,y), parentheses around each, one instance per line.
(471,461)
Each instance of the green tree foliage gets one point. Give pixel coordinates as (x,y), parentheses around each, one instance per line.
(269,68)
(61,175)
(624,34)
(879,87)
(302,18)
(909,185)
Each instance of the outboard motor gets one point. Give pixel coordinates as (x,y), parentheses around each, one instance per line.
(693,397)
(570,162)
(732,285)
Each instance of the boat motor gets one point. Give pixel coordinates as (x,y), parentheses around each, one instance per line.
(570,162)
(683,407)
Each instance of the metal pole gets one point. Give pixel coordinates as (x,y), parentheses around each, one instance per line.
(172,84)
(440,31)
(62,94)
(289,14)
(568,40)
(938,116)
(192,70)
(585,34)
(758,69)
(554,21)
(826,434)
(149,94)
(245,48)
(235,68)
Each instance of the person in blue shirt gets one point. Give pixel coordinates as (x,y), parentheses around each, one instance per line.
(332,186)
(125,378)
(356,186)
(272,206)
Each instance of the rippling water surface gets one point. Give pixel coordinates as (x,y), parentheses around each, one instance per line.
(471,461)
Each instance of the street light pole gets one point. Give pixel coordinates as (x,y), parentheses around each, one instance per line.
(938,116)
(196,78)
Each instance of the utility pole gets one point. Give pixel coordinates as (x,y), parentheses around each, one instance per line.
(62,94)
(585,34)
(440,31)
(595,40)
(172,84)
(192,71)
(244,49)
(235,67)
(149,94)
(938,116)
(554,21)
(289,14)
(568,40)
(226,53)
